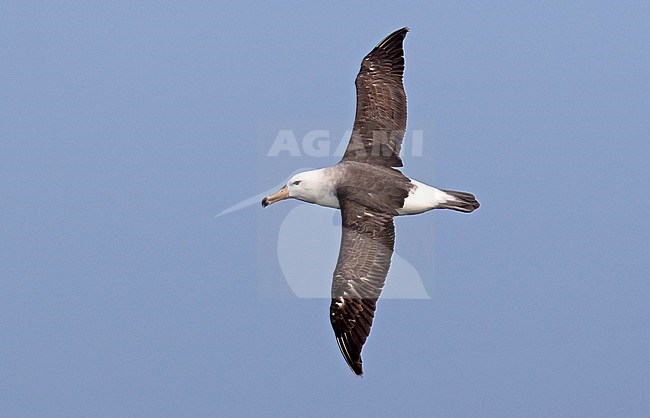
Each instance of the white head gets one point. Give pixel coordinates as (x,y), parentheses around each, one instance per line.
(310,186)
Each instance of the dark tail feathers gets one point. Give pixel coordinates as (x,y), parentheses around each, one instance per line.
(462,202)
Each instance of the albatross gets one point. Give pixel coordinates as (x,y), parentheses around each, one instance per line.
(369,191)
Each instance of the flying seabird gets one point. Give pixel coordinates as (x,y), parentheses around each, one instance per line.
(370,192)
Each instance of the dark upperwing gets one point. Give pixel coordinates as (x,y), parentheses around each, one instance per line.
(380,120)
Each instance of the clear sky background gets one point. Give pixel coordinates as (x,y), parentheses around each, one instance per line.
(127,126)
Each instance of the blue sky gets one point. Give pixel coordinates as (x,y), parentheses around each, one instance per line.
(126,126)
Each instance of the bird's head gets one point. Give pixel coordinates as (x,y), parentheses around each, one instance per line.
(305,186)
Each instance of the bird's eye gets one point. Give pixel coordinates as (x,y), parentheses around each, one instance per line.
(297,182)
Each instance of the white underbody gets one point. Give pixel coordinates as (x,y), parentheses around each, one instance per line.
(423,198)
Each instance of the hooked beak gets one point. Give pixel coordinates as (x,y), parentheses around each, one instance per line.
(281,194)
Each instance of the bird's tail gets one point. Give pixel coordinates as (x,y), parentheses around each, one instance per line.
(460,201)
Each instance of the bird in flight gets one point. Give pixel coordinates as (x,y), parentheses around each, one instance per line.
(370,192)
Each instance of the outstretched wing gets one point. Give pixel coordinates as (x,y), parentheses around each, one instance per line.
(380,121)
(367,242)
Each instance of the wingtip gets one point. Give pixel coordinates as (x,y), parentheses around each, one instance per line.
(399,32)
(357,369)
(404,29)
(355,366)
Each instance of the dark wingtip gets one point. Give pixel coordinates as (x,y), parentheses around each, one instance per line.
(357,370)
(265,202)
(399,34)
(356,365)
